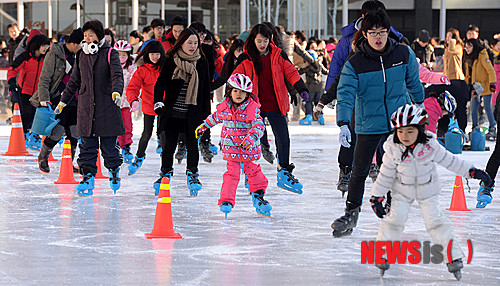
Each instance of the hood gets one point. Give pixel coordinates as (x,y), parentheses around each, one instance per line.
(33,32)
(168,34)
(351,28)
(362,46)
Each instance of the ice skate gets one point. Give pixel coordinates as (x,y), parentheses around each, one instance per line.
(383,268)
(132,169)
(484,195)
(321,119)
(127,156)
(206,153)
(158,147)
(86,186)
(34,141)
(193,183)
(181,152)
(262,206)
(455,267)
(492,134)
(345,224)
(157,183)
(267,154)
(213,148)
(343,183)
(286,180)
(306,120)
(226,207)
(114,179)
(374,170)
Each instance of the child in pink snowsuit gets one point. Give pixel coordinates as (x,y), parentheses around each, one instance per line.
(240,139)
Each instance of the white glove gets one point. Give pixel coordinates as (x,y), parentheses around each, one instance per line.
(345,136)
(43,103)
(59,107)
(318,109)
(117,98)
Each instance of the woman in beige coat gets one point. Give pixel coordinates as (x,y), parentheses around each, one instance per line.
(454,49)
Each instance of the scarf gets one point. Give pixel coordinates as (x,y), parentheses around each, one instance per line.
(185,66)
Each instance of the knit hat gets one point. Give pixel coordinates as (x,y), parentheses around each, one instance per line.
(423,36)
(33,32)
(75,37)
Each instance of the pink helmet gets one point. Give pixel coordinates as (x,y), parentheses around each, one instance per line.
(409,115)
(123,46)
(241,82)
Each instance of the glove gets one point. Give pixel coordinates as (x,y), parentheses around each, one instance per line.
(44,103)
(345,136)
(159,108)
(13,87)
(245,144)
(318,109)
(332,104)
(134,106)
(59,107)
(480,175)
(200,130)
(445,80)
(117,98)
(304,95)
(493,87)
(377,206)
(293,99)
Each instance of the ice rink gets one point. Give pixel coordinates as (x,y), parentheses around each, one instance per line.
(51,236)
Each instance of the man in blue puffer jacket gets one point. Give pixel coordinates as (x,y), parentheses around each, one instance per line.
(380,77)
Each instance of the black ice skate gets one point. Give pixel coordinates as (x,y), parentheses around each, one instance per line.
(492,134)
(345,224)
(181,152)
(383,268)
(343,183)
(455,268)
(206,153)
(374,170)
(267,154)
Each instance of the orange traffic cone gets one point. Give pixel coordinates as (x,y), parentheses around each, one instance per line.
(99,174)
(66,171)
(163,226)
(458,199)
(17,143)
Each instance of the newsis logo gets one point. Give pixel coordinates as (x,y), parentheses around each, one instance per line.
(398,252)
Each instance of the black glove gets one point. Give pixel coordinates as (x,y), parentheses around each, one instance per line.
(480,175)
(377,206)
(293,99)
(13,87)
(159,108)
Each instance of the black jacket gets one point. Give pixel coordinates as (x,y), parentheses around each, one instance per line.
(167,90)
(12,46)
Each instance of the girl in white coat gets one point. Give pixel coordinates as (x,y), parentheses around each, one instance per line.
(409,172)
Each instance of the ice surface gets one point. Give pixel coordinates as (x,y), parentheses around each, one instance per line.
(50,236)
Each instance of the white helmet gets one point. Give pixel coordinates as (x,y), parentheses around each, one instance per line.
(448,101)
(409,115)
(241,82)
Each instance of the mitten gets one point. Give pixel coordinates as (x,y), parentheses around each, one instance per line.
(293,99)
(493,87)
(159,108)
(134,106)
(377,206)
(304,95)
(116,98)
(480,175)
(318,109)
(345,136)
(200,130)
(59,107)
(247,145)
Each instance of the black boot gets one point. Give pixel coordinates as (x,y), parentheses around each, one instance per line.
(43,158)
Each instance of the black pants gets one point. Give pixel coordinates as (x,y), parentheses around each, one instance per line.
(27,111)
(366,146)
(170,132)
(149,121)
(281,135)
(494,161)
(110,150)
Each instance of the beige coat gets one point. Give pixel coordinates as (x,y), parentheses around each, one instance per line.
(453,60)
(482,72)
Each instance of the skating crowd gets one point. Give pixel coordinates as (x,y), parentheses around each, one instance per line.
(395,101)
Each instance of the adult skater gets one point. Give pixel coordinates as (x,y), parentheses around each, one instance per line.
(182,99)
(262,62)
(379,78)
(409,172)
(243,127)
(98,79)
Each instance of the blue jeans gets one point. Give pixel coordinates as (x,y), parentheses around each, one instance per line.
(487,108)
(313,98)
(282,138)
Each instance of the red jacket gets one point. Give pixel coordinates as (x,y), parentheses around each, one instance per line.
(29,69)
(281,69)
(144,77)
(167,39)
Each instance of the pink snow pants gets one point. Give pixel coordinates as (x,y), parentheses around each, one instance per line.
(126,138)
(256,180)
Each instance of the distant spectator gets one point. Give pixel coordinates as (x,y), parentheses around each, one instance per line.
(423,50)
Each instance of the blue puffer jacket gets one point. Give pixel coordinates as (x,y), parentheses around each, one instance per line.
(375,85)
(343,49)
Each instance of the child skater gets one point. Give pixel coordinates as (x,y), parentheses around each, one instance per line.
(409,172)
(243,127)
(149,63)
(125,52)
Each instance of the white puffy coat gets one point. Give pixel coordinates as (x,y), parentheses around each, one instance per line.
(416,177)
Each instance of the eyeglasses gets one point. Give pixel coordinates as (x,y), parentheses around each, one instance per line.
(381,33)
